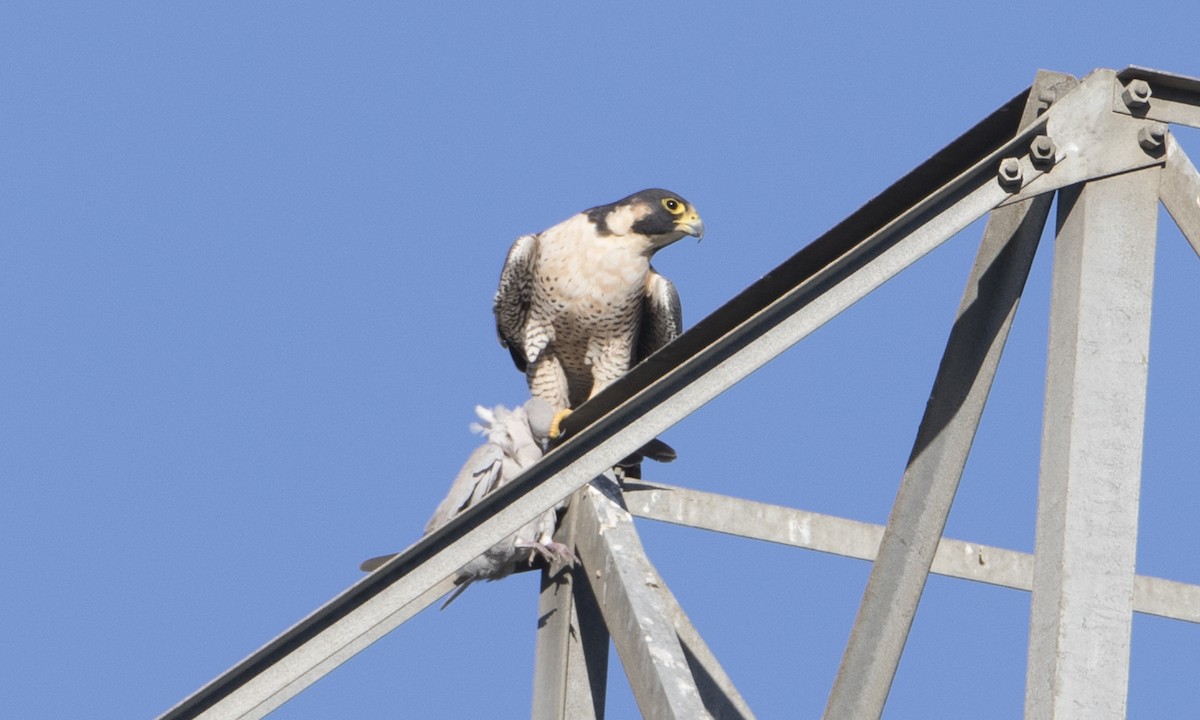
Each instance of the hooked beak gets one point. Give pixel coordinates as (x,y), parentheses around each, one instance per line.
(691,224)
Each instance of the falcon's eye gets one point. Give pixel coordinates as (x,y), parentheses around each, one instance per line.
(673,206)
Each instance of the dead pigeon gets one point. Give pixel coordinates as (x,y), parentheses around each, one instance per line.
(516,440)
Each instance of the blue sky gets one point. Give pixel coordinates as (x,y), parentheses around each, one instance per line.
(247,254)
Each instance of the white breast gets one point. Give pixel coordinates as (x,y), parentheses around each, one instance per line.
(587,276)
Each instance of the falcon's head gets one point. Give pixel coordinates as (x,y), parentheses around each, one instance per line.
(661,216)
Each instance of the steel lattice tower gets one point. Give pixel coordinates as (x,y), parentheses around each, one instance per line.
(1103,144)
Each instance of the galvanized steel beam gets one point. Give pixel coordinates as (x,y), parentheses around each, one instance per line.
(940,450)
(1157,95)
(571,656)
(717,692)
(1090,473)
(621,578)
(1180,192)
(855,539)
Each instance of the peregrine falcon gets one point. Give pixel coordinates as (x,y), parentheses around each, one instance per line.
(579,304)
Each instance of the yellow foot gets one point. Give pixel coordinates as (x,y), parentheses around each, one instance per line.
(556,423)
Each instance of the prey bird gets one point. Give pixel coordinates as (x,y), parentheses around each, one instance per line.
(515,440)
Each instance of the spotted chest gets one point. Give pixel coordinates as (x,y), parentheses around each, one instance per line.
(588,286)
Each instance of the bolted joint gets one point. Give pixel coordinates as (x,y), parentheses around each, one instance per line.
(1042,151)
(1136,94)
(1010,172)
(1152,137)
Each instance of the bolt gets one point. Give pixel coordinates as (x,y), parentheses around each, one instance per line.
(1151,137)
(1045,99)
(1136,94)
(1010,172)
(1042,151)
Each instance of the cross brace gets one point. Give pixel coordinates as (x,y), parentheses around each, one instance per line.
(855,539)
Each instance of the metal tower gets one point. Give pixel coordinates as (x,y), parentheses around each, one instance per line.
(1104,145)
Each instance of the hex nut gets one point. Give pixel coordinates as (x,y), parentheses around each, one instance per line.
(1010,172)
(1152,137)
(1042,151)
(1136,94)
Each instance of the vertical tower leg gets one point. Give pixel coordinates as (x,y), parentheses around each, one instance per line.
(571,657)
(1092,448)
